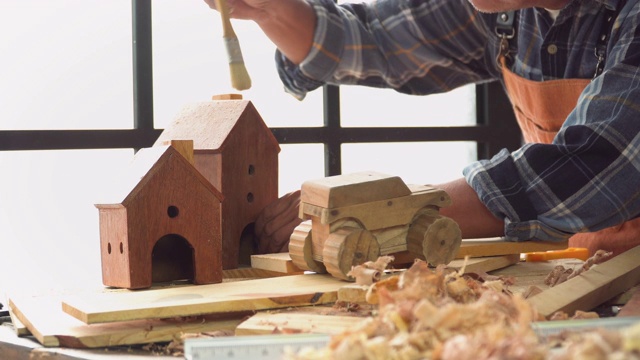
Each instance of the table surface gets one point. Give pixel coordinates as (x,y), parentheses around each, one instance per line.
(14,347)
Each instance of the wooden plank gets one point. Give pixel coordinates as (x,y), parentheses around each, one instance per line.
(593,287)
(264,323)
(353,293)
(498,246)
(18,326)
(280,262)
(485,264)
(475,264)
(44,318)
(14,348)
(528,274)
(248,274)
(285,291)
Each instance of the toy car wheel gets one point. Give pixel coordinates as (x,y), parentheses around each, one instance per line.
(434,237)
(300,249)
(348,247)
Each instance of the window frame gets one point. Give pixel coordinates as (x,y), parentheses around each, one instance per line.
(495,127)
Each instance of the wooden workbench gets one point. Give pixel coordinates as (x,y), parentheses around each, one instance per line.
(14,347)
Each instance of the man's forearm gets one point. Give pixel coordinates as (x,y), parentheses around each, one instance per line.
(290,26)
(474,219)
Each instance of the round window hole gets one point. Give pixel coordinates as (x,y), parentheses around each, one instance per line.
(173,211)
(250,197)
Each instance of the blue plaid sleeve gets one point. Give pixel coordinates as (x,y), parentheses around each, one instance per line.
(393,44)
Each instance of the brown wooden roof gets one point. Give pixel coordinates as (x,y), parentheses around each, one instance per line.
(210,123)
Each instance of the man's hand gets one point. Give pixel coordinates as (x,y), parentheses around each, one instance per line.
(288,23)
(276,222)
(244,9)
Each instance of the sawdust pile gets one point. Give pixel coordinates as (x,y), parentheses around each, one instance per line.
(441,314)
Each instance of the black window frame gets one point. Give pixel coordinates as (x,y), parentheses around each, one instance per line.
(495,127)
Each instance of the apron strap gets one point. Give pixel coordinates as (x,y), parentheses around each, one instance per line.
(505,30)
(603,39)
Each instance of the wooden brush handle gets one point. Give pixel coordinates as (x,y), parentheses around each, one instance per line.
(227,29)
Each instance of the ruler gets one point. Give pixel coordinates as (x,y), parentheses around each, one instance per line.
(262,347)
(251,347)
(547,328)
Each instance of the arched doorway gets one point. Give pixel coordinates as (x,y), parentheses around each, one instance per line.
(172,259)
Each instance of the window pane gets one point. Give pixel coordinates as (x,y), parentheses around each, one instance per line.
(372,107)
(49,226)
(415,163)
(65,64)
(191,64)
(299,163)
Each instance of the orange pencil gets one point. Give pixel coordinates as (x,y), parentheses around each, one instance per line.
(569,253)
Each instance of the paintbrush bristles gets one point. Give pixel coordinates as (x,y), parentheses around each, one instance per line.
(240,79)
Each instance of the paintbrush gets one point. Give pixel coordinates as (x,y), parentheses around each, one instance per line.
(240,79)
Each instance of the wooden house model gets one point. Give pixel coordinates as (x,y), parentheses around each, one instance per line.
(162,224)
(236,151)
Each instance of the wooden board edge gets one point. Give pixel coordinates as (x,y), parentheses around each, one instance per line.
(305,299)
(485,264)
(48,341)
(591,288)
(18,326)
(278,262)
(264,323)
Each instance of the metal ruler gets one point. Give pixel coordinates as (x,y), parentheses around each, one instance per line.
(251,347)
(257,347)
(547,328)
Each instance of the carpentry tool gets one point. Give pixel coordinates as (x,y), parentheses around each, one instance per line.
(569,253)
(547,328)
(252,347)
(240,79)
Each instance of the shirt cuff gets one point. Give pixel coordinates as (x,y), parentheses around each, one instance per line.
(499,188)
(323,58)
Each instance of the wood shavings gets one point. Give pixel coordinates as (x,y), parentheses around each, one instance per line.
(561,315)
(370,271)
(390,284)
(380,264)
(599,257)
(561,274)
(434,313)
(557,276)
(427,313)
(594,344)
(363,275)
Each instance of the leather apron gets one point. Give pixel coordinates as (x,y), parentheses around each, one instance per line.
(541,108)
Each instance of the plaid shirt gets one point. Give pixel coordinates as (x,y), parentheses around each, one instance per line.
(587,179)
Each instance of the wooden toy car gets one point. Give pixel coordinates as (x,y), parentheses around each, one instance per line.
(354,218)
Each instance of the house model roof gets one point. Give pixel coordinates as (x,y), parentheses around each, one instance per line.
(210,123)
